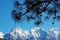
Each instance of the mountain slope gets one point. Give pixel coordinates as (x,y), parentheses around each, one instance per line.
(35,33)
(54,34)
(1,36)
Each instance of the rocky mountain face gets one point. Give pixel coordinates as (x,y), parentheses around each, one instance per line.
(35,33)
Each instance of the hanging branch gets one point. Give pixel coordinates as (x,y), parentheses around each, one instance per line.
(35,7)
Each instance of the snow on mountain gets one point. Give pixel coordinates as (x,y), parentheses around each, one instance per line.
(39,34)
(54,34)
(19,34)
(35,33)
(1,35)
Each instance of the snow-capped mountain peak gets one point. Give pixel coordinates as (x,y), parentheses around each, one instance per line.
(35,33)
(55,33)
(1,35)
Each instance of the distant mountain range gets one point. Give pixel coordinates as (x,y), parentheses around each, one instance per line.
(35,33)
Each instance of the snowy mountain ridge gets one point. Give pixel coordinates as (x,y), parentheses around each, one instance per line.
(1,35)
(35,33)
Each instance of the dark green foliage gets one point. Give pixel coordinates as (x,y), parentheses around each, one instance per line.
(33,10)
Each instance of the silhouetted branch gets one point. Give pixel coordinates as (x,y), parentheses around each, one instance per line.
(34,9)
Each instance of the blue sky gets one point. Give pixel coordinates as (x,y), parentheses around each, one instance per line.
(5,15)
(6,22)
